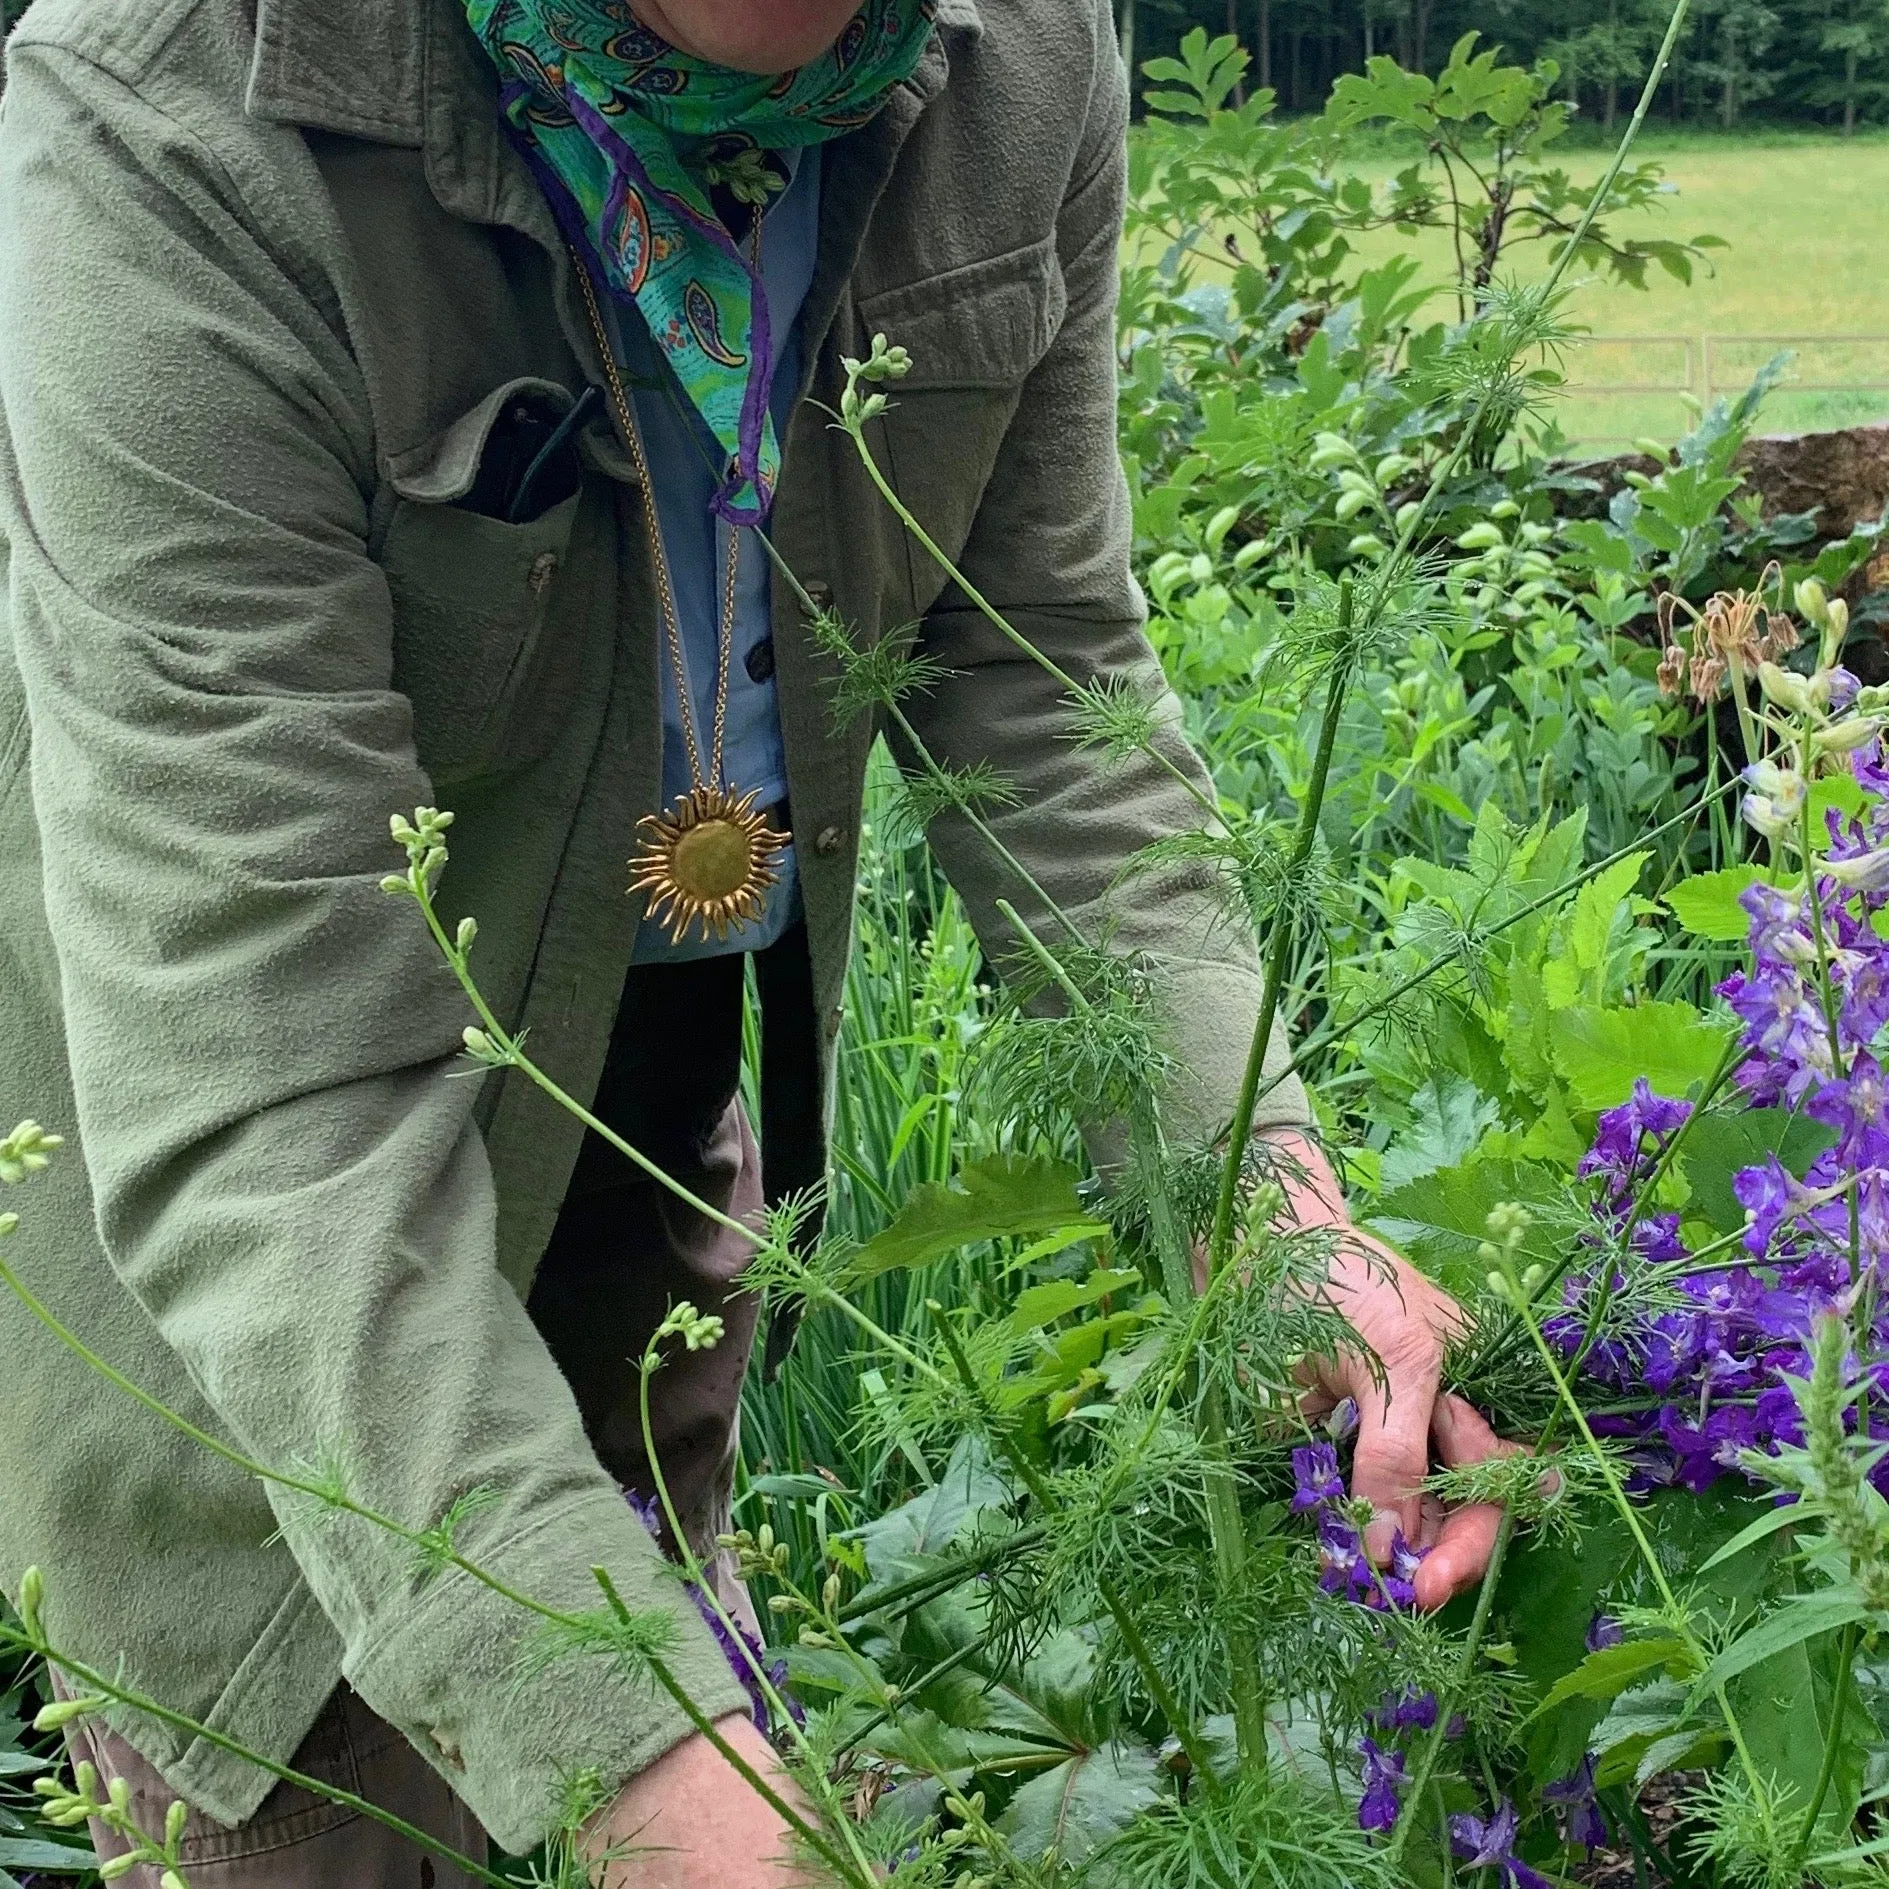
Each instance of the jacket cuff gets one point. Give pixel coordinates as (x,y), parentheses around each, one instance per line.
(1209,1013)
(460,1673)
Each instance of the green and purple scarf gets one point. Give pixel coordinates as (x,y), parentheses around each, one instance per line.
(630,138)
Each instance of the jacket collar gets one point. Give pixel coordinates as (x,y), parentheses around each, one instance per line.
(377,68)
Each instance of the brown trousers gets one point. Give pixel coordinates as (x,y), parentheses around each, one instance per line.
(623,1251)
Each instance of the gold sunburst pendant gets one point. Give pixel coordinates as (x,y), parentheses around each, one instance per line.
(707,861)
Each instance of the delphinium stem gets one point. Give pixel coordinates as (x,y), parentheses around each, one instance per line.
(734,1638)
(1833,1739)
(1465,1672)
(1279,945)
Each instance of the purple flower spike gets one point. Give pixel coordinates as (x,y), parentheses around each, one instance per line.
(1491,1845)
(1316,1480)
(1573,1797)
(1383,1773)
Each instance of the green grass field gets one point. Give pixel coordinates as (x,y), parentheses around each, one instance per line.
(1807,218)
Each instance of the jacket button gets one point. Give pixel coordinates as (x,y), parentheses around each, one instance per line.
(828,841)
(819,593)
(544,567)
(834,1018)
(759,661)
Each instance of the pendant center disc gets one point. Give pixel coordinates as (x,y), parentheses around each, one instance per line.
(712,860)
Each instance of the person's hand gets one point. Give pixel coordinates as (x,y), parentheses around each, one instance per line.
(1403,1412)
(691,1821)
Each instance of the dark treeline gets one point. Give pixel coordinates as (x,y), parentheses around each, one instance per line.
(1815,61)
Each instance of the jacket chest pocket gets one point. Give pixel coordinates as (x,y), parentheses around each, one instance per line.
(478,573)
(974,334)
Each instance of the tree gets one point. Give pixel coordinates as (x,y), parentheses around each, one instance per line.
(1740,35)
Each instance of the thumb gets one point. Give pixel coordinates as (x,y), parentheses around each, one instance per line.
(1392,1455)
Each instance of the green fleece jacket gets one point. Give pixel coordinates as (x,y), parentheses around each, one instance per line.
(269,275)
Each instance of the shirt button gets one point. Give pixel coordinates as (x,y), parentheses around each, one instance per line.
(759,661)
(828,841)
(819,594)
(544,567)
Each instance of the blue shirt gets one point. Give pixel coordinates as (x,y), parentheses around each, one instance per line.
(685,464)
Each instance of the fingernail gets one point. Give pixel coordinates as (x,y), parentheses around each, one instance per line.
(1380,1534)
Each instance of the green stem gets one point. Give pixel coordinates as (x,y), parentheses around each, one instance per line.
(92,1680)
(1465,1672)
(855,431)
(1833,1740)
(1279,946)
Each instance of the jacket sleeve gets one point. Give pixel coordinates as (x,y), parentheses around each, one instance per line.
(260,1039)
(1049,547)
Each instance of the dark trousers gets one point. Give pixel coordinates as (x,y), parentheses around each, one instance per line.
(624,1250)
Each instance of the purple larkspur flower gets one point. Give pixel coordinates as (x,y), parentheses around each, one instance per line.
(1857,1107)
(1383,1773)
(1867,768)
(1572,1797)
(1315,1477)
(1603,1631)
(1622,1134)
(1404,1712)
(1491,1845)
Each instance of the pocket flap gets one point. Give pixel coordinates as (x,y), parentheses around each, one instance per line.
(445,467)
(985,324)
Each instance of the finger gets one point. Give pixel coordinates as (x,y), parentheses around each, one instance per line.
(1463,1434)
(1461,1554)
(1392,1456)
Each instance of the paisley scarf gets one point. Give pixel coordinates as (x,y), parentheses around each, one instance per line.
(632,140)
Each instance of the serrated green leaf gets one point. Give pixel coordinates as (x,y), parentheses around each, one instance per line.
(1600,1052)
(1718,1145)
(1005,1196)
(1057,1298)
(1707,903)
(1606,1674)
(1078,1809)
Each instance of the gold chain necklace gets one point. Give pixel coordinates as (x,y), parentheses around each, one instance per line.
(710,858)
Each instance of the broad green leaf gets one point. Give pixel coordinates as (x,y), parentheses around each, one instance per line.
(22,1763)
(901,1542)
(1057,1298)
(1440,1220)
(1002,1197)
(1601,1052)
(1797,1620)
(1451,1115)
(1707,904)
(1606,1674)
(1083,1805)
(1719,1144)
(1550,1593)
(53,1858)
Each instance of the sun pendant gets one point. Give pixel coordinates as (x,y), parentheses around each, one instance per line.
(707,861)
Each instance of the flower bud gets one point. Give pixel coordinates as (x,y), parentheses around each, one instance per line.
(1790,691)
(174,1820)
(61,1713)
(1844,736)
(114,1867)
(32,1598)
(468,930)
